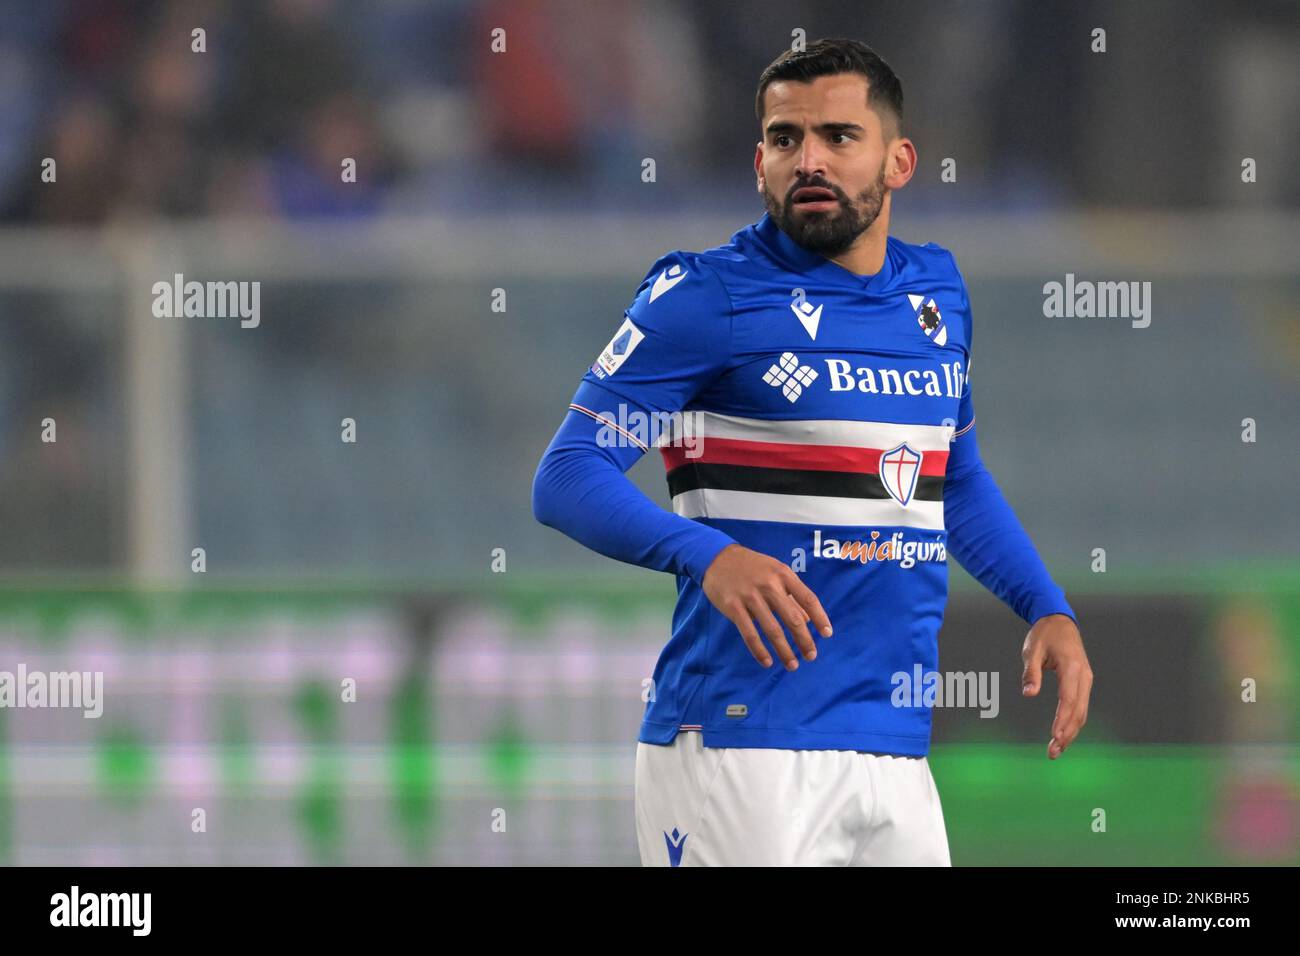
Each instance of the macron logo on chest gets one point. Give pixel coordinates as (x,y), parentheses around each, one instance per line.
(809,318)
(807,315)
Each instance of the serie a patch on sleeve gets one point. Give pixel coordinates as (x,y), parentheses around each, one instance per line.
(613,355)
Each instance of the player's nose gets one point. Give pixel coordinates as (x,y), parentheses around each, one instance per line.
(812,159)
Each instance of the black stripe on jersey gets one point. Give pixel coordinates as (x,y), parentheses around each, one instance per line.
(790,481)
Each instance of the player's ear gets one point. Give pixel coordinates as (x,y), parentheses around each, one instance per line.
(901,164)
(758,165)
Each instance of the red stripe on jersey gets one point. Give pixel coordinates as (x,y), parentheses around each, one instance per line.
(760,454)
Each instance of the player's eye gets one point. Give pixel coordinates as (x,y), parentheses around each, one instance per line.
(845,135)
(779,138)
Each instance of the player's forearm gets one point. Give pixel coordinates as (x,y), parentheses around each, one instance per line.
(988,540)
(581,491)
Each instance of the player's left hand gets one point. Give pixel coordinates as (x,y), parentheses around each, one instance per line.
(1055,644)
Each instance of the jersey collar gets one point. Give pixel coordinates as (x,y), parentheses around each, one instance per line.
(812,264)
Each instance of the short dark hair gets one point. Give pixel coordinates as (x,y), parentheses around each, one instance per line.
(828,57)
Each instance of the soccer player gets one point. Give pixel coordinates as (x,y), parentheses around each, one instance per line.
(807,385)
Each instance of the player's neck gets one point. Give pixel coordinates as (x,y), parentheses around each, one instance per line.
(866,256)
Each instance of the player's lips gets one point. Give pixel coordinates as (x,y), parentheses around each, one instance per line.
(814,194)
(815,199)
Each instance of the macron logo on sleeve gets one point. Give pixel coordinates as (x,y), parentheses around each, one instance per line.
(667,279)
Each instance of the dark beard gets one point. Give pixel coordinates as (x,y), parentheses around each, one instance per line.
(828,234)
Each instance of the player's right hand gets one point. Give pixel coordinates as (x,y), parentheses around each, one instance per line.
(748,586)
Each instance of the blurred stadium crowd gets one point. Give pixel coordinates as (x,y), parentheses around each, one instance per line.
(256,125)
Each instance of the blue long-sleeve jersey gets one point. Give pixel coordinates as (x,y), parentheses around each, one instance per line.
(818,416)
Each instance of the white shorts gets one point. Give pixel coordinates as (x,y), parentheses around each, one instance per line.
(737,806)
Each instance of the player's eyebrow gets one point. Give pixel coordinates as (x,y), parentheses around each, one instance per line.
(775,128)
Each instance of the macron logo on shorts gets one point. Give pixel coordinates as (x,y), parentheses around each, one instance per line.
(676,844)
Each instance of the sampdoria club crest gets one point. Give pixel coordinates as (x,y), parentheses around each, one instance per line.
(928,317)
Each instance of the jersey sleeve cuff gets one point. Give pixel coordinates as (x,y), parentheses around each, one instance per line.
(1050,604)
(695,559)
